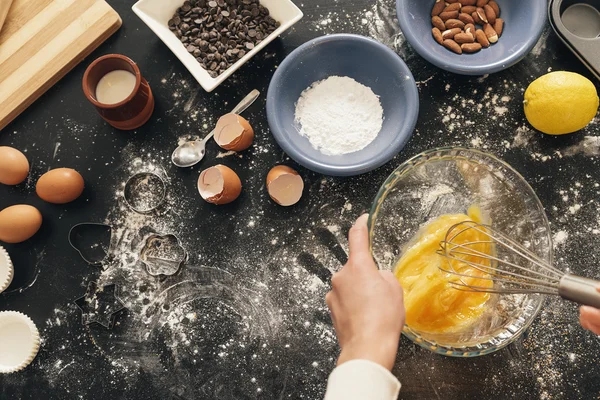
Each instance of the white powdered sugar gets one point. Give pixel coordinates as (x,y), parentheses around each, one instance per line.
(339,115)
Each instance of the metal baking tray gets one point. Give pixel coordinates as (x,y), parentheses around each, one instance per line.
(577,24)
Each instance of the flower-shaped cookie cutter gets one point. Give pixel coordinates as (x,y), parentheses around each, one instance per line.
(144,192)
(162,254)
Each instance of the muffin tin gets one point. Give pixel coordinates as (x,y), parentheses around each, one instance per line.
(577,24)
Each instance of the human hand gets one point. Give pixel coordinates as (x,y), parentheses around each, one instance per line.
(589,318)
(367,305)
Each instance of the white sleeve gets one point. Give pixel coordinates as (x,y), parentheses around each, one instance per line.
(362,380)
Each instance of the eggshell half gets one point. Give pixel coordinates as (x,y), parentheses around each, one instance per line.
(60,186)
(14,166)
(285,185)
(219,185)
(233,132)
(19,223)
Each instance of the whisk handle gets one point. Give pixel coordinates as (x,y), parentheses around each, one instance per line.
(580,290)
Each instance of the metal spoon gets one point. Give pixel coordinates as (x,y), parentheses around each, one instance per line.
(192,152)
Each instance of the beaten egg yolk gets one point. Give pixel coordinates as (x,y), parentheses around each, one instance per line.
(432,304)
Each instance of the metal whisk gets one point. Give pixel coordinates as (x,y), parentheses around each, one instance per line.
(510,266)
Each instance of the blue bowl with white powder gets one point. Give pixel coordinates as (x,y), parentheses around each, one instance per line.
(342,105)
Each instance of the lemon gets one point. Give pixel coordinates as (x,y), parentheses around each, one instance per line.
(560,102)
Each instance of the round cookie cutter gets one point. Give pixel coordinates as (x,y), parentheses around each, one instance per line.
(144,192)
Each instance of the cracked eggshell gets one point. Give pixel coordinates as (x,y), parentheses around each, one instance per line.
(219,185)
(285,185)
(233,132)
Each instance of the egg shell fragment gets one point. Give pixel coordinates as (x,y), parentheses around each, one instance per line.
(219,185)
(14,166)
(233,132)
(19,223)
(60,186)
(285,185)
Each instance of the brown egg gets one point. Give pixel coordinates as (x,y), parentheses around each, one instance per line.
(285,185)
(233,132)
(14,166)
(60,186)
(219,185)
(19,223)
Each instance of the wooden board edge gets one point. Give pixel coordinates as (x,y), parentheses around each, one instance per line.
(118,22)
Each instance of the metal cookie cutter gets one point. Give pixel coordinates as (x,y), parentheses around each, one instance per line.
(99,305)
(92,241)
(162,254)
(145,192)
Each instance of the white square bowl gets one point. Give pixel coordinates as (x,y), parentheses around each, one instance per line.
(157,13)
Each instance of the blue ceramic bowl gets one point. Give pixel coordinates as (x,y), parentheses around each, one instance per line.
(369,63)
(524,22)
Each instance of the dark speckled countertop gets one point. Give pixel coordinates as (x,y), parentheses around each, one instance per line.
(245,317)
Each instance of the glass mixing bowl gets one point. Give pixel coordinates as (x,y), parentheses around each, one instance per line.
(447,181)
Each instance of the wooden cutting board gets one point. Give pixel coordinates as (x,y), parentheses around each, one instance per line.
(41,41)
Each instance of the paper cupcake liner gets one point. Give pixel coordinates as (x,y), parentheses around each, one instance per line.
(6,270)
(27,346)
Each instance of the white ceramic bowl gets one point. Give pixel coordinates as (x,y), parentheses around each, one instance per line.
(157,13)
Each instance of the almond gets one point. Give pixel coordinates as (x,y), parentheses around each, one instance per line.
(438,7)
(438,23)
(464,38)
(437,35)
(452,46)
(499,26)
(468,9)
(481,15)
(482,38)
(470,47)
(489,14)
(445,16)
(470,28)
(450,33)
(468,2)
(495,7)
(454,23)
(490,33)
(452,7)
(451,1)
(481,3)
(466,18)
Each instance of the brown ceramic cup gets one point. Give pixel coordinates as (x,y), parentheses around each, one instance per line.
(130,113)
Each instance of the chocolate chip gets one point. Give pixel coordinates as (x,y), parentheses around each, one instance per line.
(220,32)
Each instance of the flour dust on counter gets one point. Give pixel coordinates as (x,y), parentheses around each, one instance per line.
(378,21)
(239,313)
